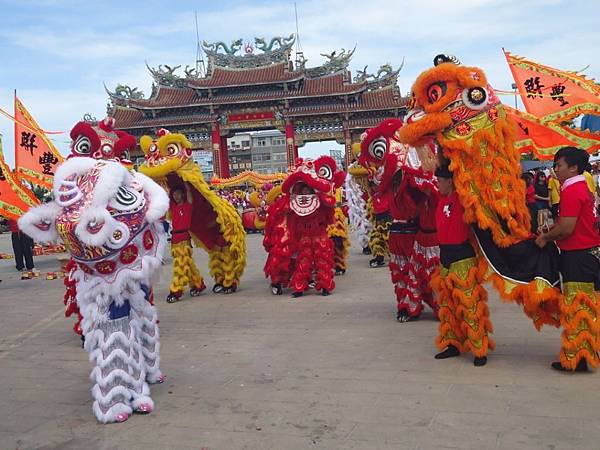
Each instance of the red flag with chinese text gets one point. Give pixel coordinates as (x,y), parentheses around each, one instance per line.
(545,139)
(553,95)
(36,157)
(15,199)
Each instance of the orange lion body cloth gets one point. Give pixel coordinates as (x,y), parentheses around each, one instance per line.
(456,106)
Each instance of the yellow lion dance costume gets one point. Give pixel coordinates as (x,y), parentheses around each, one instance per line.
(456,105)
(338,233)
(215,226)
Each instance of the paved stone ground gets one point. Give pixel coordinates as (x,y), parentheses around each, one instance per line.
(254,371)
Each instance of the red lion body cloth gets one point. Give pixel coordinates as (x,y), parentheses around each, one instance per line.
(403,180)
(296,239)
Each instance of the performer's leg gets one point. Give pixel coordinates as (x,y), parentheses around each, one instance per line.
(149,334)
(471,300)
(450,337)
(427,259)
(17,250)
(378,240)
(27,246)
(110,346)
(184,270)
(303,267)
(195,278)
(580,312)
(405,285)
(324,264)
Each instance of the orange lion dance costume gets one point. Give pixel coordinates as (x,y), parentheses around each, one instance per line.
(455,105)
(296,232)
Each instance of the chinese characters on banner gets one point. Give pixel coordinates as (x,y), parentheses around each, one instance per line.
(36,157)
(553,95)
(15,199)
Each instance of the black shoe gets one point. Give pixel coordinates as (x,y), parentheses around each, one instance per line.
(276,289)
(197,291)
(402,316)
(581,367)
(297,294)
(450,352)
(218,288)
(339,271)
(325,292)
(172,298)
(229,290)
(479,361)
(377,262)
(366,251)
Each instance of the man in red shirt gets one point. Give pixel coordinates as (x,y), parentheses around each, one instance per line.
(184,268)
(22,247)
(463,313)
(577,237)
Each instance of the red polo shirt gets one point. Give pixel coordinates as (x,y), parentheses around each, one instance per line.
(181,219)
(451,227)
(576,200)
(12,226)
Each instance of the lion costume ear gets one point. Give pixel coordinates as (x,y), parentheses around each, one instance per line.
(145,143)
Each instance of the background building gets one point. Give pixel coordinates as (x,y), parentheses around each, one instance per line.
(269,152)
(338,155)
(240,156)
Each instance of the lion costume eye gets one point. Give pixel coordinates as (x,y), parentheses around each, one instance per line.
(82,146)
(378,148)
(436,91)
(126,199)
(475,98)
(325,172)
(172,149)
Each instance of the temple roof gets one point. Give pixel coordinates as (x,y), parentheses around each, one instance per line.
(268,80)
(228,77)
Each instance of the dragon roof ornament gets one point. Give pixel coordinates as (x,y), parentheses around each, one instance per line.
(165,75)
(335,63)
(385,76)
(222,55)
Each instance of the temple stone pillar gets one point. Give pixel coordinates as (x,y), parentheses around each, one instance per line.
(290,143)
(224,158)
(216,148)
(347,147)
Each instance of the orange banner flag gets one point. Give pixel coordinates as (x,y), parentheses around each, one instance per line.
(545,139)
(15,199)
(36,157)
(551,94)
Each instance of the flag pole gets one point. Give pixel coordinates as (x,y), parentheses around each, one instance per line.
(15,124)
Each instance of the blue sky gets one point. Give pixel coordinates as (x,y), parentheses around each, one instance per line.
(57,53)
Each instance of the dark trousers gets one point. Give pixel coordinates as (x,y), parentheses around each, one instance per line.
(22,246)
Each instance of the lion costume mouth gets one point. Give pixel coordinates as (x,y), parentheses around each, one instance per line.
(304,204)
(420,126)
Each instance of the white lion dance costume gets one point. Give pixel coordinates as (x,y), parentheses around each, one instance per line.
(403,180)
(356,186)
(109,220)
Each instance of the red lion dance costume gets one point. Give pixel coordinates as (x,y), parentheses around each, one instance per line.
(296,237)
(98,140)
(403,180)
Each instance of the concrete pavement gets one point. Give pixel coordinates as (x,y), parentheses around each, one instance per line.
(256,371)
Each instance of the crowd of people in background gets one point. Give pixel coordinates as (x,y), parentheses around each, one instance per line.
(543,193)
